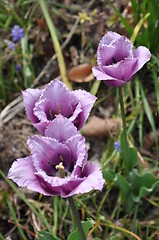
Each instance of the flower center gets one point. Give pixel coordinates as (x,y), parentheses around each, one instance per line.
(114,60)
(51,114)
(60,167)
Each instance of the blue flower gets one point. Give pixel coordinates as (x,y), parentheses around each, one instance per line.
(117,145)
(17,33)
(18,68)
(10,45)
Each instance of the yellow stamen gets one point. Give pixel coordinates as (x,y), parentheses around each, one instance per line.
(60,167)
(59,111)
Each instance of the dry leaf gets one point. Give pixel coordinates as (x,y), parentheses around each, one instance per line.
(81,73)
(98,127)
(149,140)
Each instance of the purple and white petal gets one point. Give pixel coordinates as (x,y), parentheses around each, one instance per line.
(109,38)
(91,177)
(143,55)
(59,98)
(108,80)
(30,97)
(87,100)
(22,172)
(61,129)
(47,153)
(78,150)
(122,70)
(105,54)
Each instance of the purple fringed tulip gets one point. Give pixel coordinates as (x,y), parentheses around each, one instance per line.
(117,61)
(57,164)
(42,106)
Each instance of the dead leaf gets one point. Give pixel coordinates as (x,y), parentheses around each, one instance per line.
(41,23)
(149,140)
(81,73)
(98,127)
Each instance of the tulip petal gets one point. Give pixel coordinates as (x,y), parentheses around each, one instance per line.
(59,98)
(30,96)
(78,149)
(122,70)
(105,54)
(108,80)
(61,129)
(117,51)
(91,179)
(143,55)
(46,152)
(86,100)
(110,37)
(22,172)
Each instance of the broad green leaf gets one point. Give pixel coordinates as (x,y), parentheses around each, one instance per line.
(43,235)
(87,225)
(108,175)
(142,184)
(122,183)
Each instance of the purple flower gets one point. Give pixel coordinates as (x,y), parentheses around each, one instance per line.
(18,68)
(57,164)
(10,45)
(117,145)
(117,61)
(42,106)
(17,33)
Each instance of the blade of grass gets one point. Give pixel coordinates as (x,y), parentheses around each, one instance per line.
(22,196)
(156,87)
(149,116)
(2,86)
(135,8)
(126,25)
(144,4)
(56,43)
(1,237)
(138,27)
(15,219)
(140,127)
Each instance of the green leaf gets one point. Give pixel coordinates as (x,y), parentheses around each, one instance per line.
(142,184)
(122,183)
(43,235)
(87,225)
(131,155)
(108,175)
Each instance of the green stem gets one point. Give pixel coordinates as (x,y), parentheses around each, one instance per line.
(76,217)
(55,215)
(124,126)
(56,43)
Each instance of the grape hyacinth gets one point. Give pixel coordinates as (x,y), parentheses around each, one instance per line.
(117,145)
(18,68)
(17,33)
(10,45)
